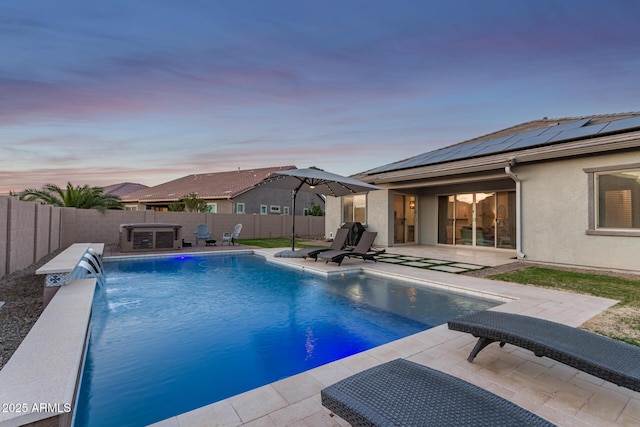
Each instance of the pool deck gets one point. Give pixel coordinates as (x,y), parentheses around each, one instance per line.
(556,392)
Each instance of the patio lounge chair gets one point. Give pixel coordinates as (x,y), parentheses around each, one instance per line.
(338,244)
(611,360)
(202,233)
(362,250)
(404,393)
(232,238)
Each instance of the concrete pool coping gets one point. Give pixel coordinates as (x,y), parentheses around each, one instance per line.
(554,391)
(39,381)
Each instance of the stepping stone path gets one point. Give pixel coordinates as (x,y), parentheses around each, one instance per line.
(429,263)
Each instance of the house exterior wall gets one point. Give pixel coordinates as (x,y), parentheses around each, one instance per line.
(223,206)
(555,212)
(332,215)
(378,204)
(253,200)
(256,197)
(380,209)
(428,203)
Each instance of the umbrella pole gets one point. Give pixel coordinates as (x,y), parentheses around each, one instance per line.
(293,219)
(294,193)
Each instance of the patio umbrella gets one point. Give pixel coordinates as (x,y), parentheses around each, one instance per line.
(316,181)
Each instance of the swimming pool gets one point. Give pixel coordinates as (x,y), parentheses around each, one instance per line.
(171,334)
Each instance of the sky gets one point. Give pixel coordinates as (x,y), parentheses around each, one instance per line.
(147,91)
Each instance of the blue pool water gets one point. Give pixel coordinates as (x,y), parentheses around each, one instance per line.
(171,334)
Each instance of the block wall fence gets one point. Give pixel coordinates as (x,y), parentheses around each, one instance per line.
(29,230)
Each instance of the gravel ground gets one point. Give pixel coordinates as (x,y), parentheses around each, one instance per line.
(21,292)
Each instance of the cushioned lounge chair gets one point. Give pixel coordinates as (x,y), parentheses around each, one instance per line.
(338,244)
(611,360)
(362,250)
(404,393)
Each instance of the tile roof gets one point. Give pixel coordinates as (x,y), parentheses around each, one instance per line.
(214,185)
(123,188)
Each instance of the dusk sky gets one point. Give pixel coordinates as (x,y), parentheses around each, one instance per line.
(103,92)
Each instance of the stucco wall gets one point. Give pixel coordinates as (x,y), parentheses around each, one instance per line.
(256,197)
(332,215)
(378,203)
(555,214)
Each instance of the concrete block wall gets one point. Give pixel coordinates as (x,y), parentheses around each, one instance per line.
(22,216)
(4,235)
(26,229)
(43,230)
(29,230)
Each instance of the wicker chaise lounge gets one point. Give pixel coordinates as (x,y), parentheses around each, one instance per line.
(605,358)
(404,393)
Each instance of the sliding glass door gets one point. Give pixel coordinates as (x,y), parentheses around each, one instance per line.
(477,219)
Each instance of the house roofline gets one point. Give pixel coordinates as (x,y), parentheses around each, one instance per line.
(581,147)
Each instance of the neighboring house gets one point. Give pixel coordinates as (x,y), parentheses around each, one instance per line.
(225,192)
(561,191)
(123,189)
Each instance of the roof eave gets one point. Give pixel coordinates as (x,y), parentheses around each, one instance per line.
(498,161)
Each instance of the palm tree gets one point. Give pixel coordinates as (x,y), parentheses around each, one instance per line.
(84,197)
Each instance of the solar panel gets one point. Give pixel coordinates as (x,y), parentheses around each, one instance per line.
(566,126)
(552,134)
(530,142)
(624,124)
(473,149)
(578,133)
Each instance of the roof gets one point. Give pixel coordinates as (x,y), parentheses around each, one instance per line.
(214,185)
(123,188)
(537,133)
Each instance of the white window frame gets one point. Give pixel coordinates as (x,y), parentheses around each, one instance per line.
(214,206)
(240,208)
(131,208)
(285,210)
(263,209)
(274,209)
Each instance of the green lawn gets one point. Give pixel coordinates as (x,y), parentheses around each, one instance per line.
(623,316)
(280,242)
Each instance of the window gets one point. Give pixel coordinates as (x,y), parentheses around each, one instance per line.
(285,210)
(614,200)
(130,207)
(354,208)
(478,219)
(263,209)
(618,199)
(212,207)
(240,208)
(274,209)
